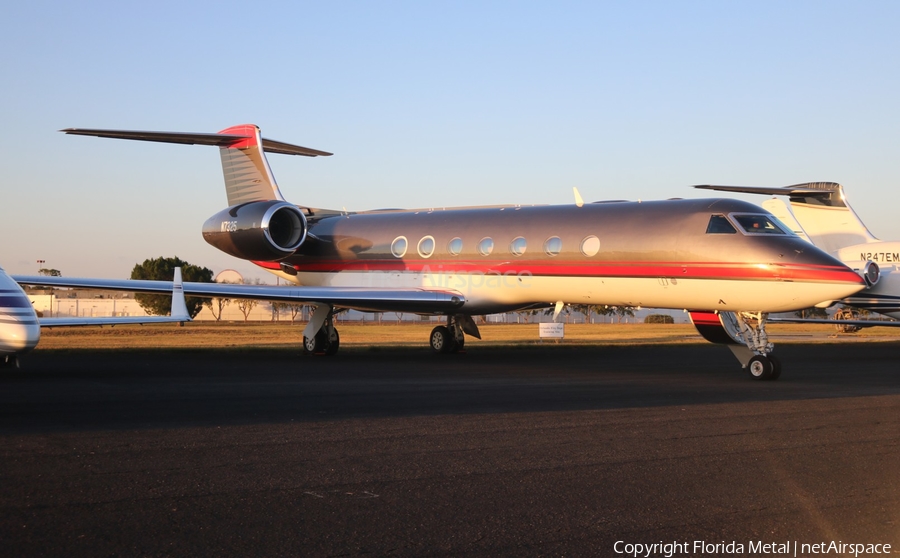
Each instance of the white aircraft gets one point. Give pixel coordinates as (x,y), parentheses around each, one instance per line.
(708,256)
(20,326)
(819,213)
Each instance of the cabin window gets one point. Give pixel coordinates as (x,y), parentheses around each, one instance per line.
(719,224)
(486,246)
(426,246)
(553,246)
(398,247)
(759,223)
(590,246)
(455,246)
(517,246)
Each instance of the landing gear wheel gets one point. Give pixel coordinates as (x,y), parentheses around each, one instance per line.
(322,343)
(441,340)
(760,368)
(333,343)
(776,367)
(317,344)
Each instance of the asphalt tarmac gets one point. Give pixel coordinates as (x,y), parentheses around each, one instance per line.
(541,451)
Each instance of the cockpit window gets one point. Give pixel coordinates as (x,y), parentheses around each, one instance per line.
(719,224)
(758,223)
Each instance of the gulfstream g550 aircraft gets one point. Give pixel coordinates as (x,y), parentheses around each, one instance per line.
(706,256)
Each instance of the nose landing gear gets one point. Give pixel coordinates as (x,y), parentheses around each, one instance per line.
(745,334)
(764,367)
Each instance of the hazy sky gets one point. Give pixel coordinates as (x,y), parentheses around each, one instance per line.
(429,104)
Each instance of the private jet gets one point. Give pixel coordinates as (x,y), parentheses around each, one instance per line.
(710,257)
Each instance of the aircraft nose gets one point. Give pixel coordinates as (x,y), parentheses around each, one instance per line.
(18,337)
(831,276)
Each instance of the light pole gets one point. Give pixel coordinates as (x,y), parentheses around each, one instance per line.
(40,265)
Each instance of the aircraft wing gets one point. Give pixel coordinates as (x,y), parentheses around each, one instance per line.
(368,299)
(122,320)
(857,323)
(178,312)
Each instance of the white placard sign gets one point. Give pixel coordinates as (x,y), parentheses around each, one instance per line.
(552,331)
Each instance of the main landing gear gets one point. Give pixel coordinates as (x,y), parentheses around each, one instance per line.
(444,340)
(325,340)
(842,314)
(451,338)
(320,337)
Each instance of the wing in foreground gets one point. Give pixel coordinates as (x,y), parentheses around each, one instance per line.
(369,300)
(178,313)
(123,320)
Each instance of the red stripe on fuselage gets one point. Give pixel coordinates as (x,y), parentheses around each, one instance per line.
(693,270)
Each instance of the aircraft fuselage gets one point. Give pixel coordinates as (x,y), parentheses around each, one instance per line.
(653,254)
(19,328)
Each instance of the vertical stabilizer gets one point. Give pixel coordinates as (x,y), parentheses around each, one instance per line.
(828,219)
(782,211)
(248,177)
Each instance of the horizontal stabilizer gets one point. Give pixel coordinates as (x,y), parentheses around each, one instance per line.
(248,177)
(190,138)
(807,189)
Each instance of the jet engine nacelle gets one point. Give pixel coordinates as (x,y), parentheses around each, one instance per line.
(259,231)
(871,273)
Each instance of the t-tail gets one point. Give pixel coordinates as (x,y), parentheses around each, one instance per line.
(258,224)
(248,177)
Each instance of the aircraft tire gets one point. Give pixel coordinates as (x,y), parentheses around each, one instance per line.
(760,368)
(316,344)
(441,340)
(459,344)
(333,343)
(776,367)
(9,361)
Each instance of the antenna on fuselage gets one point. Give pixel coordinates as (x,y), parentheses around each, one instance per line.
(579,201)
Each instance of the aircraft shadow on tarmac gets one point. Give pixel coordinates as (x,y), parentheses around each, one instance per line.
(132,389)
